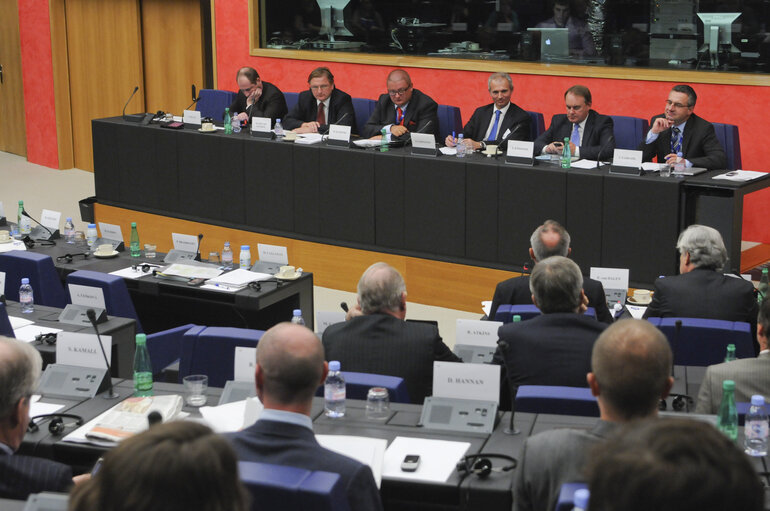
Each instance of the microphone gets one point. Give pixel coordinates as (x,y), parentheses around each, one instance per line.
(154,417)
(344,306)
(198,253)
(92,318)
(324,128)
(424,127)
(511,429)
(132,117)
(611,138)
(194,97)
(52,235)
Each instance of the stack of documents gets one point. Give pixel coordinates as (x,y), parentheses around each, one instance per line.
(235,280)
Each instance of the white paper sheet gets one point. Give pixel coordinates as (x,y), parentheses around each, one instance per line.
(448,151)
(636,311)
(79,435)
(232,417)
(192,272)
(740,175)
(369,451)
(486,306)
(131,273)
(39,408)
(17,322)
(437,458)
(367,142)
(29,332)
(14,245)
(308,138)
(238,278)
(649,166)
(584,164)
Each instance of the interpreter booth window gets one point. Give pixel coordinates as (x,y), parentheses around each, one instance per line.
(718,35)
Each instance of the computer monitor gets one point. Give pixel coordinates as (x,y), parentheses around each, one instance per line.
(717,30)
(333,18)
(554,42)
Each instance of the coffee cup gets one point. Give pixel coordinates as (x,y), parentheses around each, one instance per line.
(642,295)
(207,126)
(5,236)
(104,250)
(491,149)
(287,272)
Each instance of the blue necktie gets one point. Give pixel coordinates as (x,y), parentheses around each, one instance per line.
(493,133)
(575,138)
(676,140)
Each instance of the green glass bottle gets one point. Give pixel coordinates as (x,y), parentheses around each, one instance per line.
(133,244)
(228,122)
(727,418)
(142,368)
(763,286)
(566,155)
(730,355)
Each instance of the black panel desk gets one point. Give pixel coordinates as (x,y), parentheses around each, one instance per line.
(476,210)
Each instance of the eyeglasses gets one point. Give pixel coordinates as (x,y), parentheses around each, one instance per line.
(676,105)
(67,258)
(320,87)
(399,92)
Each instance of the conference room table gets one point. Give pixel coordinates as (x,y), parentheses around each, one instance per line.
(474,210)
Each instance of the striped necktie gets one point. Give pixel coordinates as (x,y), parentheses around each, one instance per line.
(676,140)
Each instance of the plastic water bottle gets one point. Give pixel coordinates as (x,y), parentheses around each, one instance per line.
(756,428)
(26,296)
(134,246)
(580,499)
(91,235)
(245,257)
(617,309)
(236,124)
(69,231)
(730,355)
(566,155)
(297,318)
(679,165)
(227,256)
(334,391)
(278,128)
(763,285)
(727,418)
(142,368)
(384,141)
(460,146)
(228,122)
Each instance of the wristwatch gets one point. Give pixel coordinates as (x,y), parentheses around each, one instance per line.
(483,145)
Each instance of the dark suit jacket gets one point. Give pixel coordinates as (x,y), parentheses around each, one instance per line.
(270,104)
(598,135)
(420,110)
(516,120)
(700,144)
(291,445)
(551,349)
(383,344)
(516,291)
(21,476)
(306,110)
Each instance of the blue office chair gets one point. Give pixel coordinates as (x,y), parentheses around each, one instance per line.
(213,102)
(449,120)
(211,351)
(556,399)
(357,386)
(538,124)
(363,108)
(703,342)
(731,142)
(281,487)
(506,312)
(566,501)
(5,323)
(42,275)
(116,297)
(165,349)
(629,132)
(291,99)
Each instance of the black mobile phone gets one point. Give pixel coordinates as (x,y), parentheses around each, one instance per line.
(410,463)
(97,466)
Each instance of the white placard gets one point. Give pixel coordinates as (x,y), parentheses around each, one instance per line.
(272,254)
(480,382)
(614,281)
(475,332)
(191,117)
(261,124)
(110,231)
(2,283)
(50,219)
(424,140)
(627,158)
(74,349)
(245,363)
(2,211)
(185,242)
(324,319)
(521,149)
(339,132)
(87,296)
(438,458)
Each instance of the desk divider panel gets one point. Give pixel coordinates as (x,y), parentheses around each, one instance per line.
(268,185)
(104,135)
(389,201)
(481,212)
(149,175)
(307,218)
(584,216)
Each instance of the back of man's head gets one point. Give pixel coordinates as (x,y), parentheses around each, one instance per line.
(672,465)
(381,289)
(549,239)
(291,360)
(631,362)
(705,246)
(20,365)
(556,284)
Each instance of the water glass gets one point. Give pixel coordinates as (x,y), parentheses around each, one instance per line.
(150,250)
(196,385)
(665,171)
(214,257)
(377,404)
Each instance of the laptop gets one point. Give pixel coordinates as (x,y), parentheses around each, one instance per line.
(554,42)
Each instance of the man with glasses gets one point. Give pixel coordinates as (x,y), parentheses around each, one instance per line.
(590,134)
(257,98)
(679,135)
(402,110)
(321,105)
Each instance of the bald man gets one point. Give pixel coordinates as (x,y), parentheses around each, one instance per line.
(290,367)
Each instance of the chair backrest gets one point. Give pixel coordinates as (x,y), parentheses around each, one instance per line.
(506,312)
(281,487)
(703,342)
(538,124)
(731,142)
(449,120)
(116,296)
(291,99)
(166,347)
(42,275)
(629,132)
(5,323)
(211,351)
(566,501)
(363,108)
(213,102)
(556,399)
(357,386)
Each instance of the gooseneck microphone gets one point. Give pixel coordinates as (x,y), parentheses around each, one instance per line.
(344,306)
(154,417)
(198,252)
(132,117)
(511,429)
(611,138)
(92,318)
(52,236)
(324,128)
(195,98)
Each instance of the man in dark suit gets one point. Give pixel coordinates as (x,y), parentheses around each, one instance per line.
(257,98)
(702,290)
(402,110)
(548,240)
(323,104)
(497,122)
(679,134)
(21,476)
(376,339)
(590,133)
(290,367)
(555,347)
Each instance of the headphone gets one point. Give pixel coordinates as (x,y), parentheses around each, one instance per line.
(57,425)
(145,267)
(49,338)
(481,465)
(68,257)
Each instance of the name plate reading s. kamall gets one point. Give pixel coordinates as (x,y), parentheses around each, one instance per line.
(261,127)
(475,332)
(339,135)
(520,151)
(191,117)
(82,350)
(480,382)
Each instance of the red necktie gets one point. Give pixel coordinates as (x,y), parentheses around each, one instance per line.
(321,118)
(399,115)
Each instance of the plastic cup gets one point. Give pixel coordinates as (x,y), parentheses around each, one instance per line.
(214,257)
(150,250)
(196,386)
(377,404)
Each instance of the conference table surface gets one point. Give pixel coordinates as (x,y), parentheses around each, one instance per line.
(473,210)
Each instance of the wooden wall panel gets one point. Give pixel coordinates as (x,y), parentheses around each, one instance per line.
(12,123)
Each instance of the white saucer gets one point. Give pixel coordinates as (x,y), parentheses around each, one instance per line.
(108,256)
(206,131)
(297,274)
(631,300)
(9,240)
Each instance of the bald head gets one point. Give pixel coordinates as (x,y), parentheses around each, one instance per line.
(381,289)
(398,75)
(550,239)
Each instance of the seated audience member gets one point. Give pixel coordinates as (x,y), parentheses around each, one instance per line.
(20,476)
(497,122)
(751,375)
(672,465)
(177,466)
(548,240)
(631,372)
(257,98)
(555,347)
(321,105)
(679,130)
(702,290)
(290,367)
(378,340)
(590,134)
(581,43)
